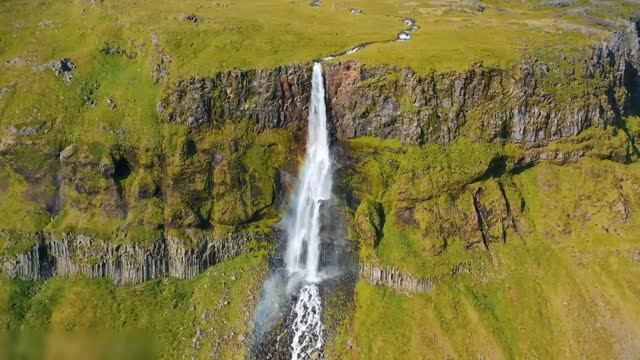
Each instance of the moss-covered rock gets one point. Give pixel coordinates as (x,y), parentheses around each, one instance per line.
(369,219)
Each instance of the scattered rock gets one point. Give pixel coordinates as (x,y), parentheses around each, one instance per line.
(89,91)
(557,3)
(112,103)
(7,88)
(636,256)
(403,36)
(68,152)
(479,7)
(46,23)
(61,66)
(356,11)
(25,130)
(112,49)
(14,61)
(190,17)
(160,71)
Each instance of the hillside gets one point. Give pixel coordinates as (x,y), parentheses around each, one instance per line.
(486,173)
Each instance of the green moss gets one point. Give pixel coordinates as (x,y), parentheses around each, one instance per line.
(19,205)
(537,303)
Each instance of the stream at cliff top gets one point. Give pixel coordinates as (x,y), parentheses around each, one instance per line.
(288,318)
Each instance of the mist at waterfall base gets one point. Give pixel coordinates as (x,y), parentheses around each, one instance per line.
(312,252)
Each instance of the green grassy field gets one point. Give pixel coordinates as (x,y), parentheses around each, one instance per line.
(563,285)
(209,315)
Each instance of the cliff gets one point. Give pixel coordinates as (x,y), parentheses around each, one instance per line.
(73,254)
(229,145)
(532,102)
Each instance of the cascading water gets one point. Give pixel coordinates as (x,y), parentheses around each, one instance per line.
(288,317)
(302,256)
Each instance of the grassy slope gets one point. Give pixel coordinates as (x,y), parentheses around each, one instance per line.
(157,319)
(565,289)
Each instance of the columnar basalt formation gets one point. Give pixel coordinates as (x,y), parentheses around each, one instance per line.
(394,279)
(70,254)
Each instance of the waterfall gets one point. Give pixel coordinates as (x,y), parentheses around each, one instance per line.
(292,292)
(314,187)
(302,256)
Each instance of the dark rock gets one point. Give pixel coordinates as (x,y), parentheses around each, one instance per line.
(485,103)
(63,67)
(272,98)
(394,279)
(71,255)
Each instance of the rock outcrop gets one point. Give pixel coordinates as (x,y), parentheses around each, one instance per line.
(531,102)
(394,279)
(131,263)
(272,98)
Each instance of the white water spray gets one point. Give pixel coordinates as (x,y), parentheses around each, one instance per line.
(302,256)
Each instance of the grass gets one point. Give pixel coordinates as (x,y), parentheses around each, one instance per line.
(427,196)
(453,35)
(158,319)
(543,300)
(563,285)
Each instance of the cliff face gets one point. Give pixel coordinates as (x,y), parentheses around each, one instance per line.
(231,141)
(532,102)
(72,254)
(272,98)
